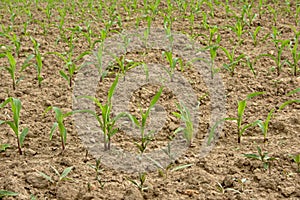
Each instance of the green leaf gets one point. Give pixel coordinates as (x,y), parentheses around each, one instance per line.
(5,193)
(54,126)
(282,106)
(112,89)
(254,94)
(23,135)
(181,167)
(3,147)
(64,75)
(293,91)
(254,156)
(65,173)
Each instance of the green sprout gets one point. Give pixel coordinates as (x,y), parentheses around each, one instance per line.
(39,62)
(239,119)
(141,184)
(172,63)
(185,116)
(263,157)
(233,61)
(13,67)
(295,55)
(61,176)
(59,117)
(16,107)
(70,64)
(145,137)
(105,120)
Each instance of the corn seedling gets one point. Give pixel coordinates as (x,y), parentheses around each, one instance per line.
(124,65)
(5,193)
(145,137)
(263,157)
(70,64)
(59,117)
(39,63)
(168,20)
(164,171)
(106,121)
(172,63)
(296,159)
(277,58)
(222,189)
(185,116)
(16,107)
(247,9)
(264,125)
(15,40)
(141,183)
(238,29)
(239,119)
(233,60)
(59,176)
(13,67)
(254,35)
(98,170)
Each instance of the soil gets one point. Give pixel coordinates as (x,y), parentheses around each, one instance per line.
(220,173)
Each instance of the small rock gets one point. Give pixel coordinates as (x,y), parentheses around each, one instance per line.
(36,180)
(287,191)
(228,181)
(133,194)
(172,126)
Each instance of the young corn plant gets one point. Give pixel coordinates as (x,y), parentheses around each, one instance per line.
(233,60)
(59,117)
(124,65)
(105,120)
(141,184)
(16,107)
(239,119)
(98,170)
(185,116)
(238,29)
(172,63)
(60,176)
(70,65)
(295,54)
(263,157)
(15,40)
(164,171)
(13,67)
(280,46)
(145,137)
(39,62)
(264,125)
